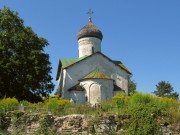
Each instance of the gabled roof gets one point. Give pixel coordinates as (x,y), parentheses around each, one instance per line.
(66,63)
(97,74)
(122,66)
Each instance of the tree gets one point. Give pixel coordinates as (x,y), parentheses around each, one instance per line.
(164,89)
(131,87)
(24,66)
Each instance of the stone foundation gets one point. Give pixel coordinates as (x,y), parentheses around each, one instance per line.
(34,123)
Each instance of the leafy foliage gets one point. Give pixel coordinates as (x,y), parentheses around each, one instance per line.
(140,98)
(131,87)
(142,115)
(165,89)
(120,100)
(24,66)
(56,104)
(8,102)
(145,110)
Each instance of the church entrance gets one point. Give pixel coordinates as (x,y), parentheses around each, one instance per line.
(94,94)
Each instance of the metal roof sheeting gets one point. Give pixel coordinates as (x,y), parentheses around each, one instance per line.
(97,74)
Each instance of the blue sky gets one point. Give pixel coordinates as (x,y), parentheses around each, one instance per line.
(143,34)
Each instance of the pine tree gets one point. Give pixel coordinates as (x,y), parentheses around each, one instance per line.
(165,89)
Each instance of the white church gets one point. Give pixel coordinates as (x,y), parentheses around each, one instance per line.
(93,77)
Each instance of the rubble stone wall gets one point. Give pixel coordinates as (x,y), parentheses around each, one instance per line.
(34,123)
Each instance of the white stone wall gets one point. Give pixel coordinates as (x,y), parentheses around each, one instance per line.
(84,67)
(98,90)
(78,96)
(60,82)
(65,93)
(87,45)
(107,88)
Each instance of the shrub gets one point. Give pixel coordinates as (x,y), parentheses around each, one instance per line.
(56,103)
(108,106)
(25,103)
(145,110)
(119,100)
(169,102)
(140,98)
(8,102)
(142,121)
(142,111)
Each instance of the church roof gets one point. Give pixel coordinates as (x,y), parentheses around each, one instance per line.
(97,74)
(69,61)
(121,65)
(66,63)
(90,30)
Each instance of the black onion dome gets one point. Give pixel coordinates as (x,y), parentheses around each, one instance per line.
(90,30)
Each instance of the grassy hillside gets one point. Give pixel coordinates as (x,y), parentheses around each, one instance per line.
(146,112)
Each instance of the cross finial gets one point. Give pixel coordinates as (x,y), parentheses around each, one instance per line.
(90,12)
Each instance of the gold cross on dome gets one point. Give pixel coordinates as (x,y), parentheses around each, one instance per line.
(90,12)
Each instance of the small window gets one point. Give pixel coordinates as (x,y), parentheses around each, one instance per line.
(92,50)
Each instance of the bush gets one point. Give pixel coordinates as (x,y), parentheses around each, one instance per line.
(8,102)
(108,106)
(120,100)
(140,98)
(56,104)
(145,110)
(143,120)
(141,109)
(25,103)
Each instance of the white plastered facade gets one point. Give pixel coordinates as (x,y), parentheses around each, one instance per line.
(88,46)
(73,75)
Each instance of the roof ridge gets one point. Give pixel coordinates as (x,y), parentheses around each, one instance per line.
(69,61)
(97,74)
